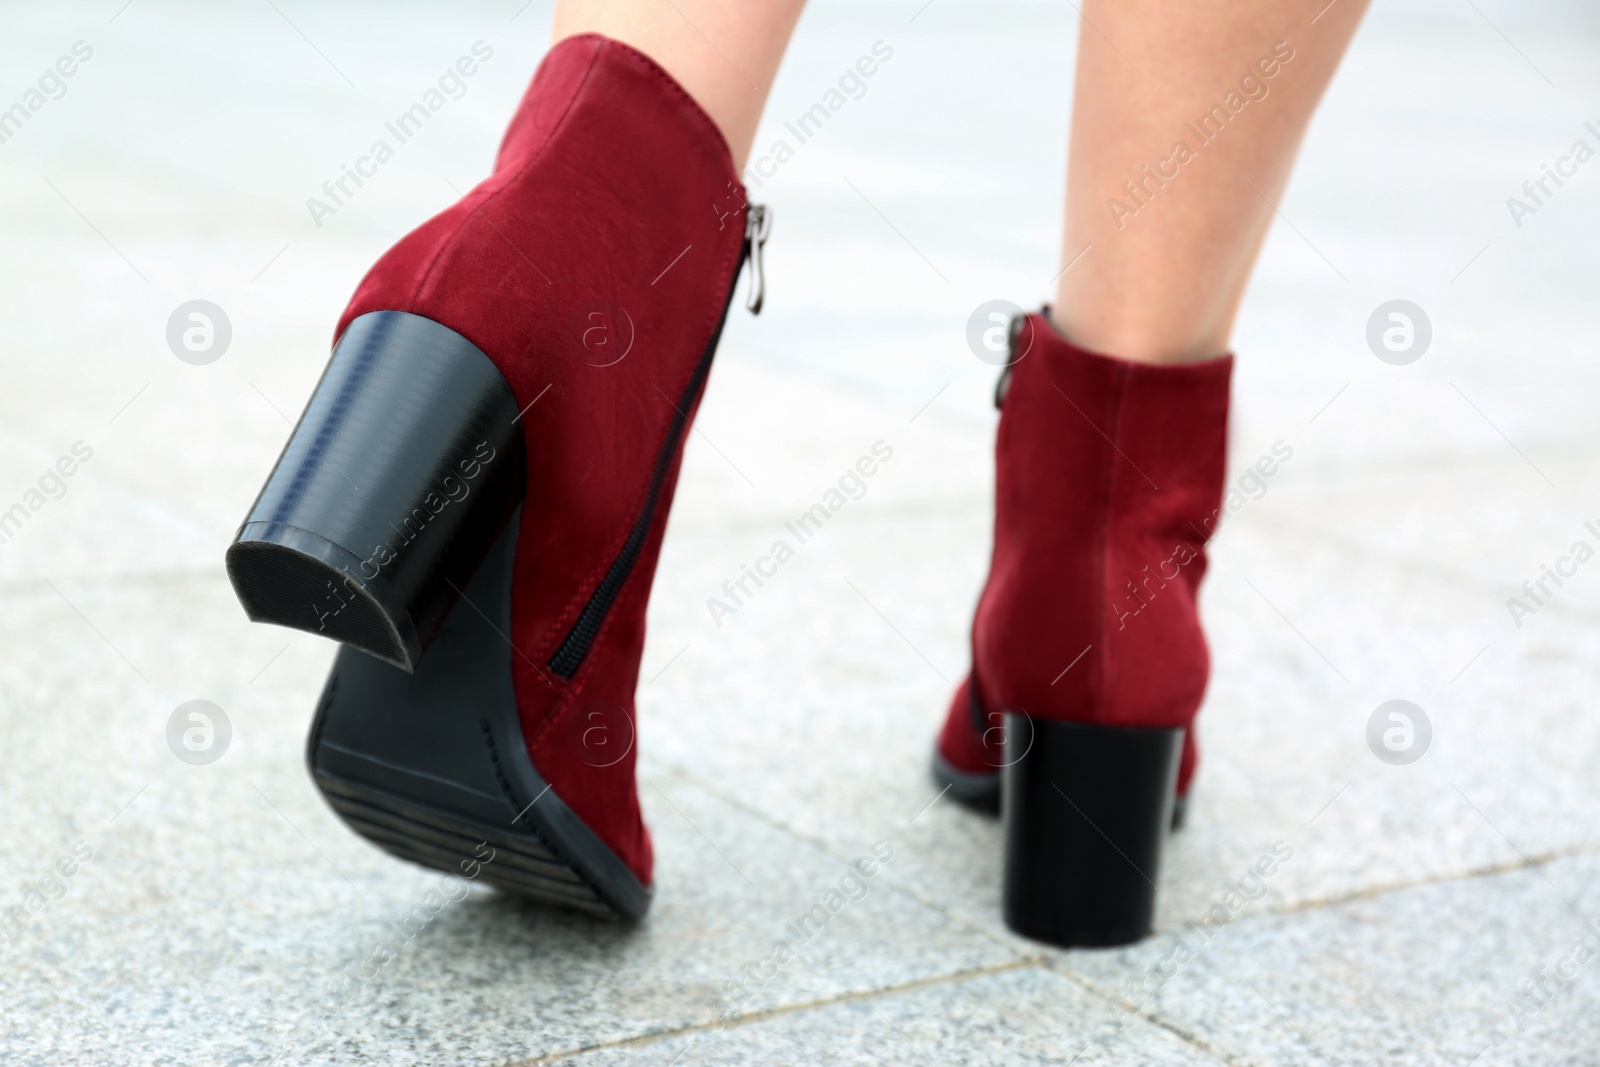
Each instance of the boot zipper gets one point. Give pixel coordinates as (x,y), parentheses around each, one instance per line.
(1013,336)
(569,656)
(757,226)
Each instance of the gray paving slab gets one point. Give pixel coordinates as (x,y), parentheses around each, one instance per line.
(1308,642)
(228,893)
(1492,971)
(1027,1015)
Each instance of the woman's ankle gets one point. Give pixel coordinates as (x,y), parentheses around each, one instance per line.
(1139,338)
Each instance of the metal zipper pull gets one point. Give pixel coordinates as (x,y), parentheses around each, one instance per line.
(757,225)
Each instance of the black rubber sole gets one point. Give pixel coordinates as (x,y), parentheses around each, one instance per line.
(405,466)
(432,767)
(981,792)
(1086,812)
(977,791)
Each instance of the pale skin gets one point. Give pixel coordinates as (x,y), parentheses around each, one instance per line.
(1161,281)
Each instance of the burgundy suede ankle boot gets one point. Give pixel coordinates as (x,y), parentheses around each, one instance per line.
(474,499)
(1088,660)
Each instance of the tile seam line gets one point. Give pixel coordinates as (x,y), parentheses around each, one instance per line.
(1314,904)
(1154,1018)
(823,848)
(1487,871)
(1059,963)
(640,1040)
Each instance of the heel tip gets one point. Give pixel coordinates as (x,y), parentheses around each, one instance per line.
(292,577)
(1092,938)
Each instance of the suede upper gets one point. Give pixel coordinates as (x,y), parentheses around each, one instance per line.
(1108,483)
(594,267)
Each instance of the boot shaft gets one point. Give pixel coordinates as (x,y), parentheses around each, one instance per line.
(1108,485)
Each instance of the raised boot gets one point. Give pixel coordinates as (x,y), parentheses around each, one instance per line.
(474,499)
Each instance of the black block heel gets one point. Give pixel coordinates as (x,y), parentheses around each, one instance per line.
(404,468)
(1087,810)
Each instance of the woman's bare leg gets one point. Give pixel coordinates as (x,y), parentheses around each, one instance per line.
(724,52)
(1186,121)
